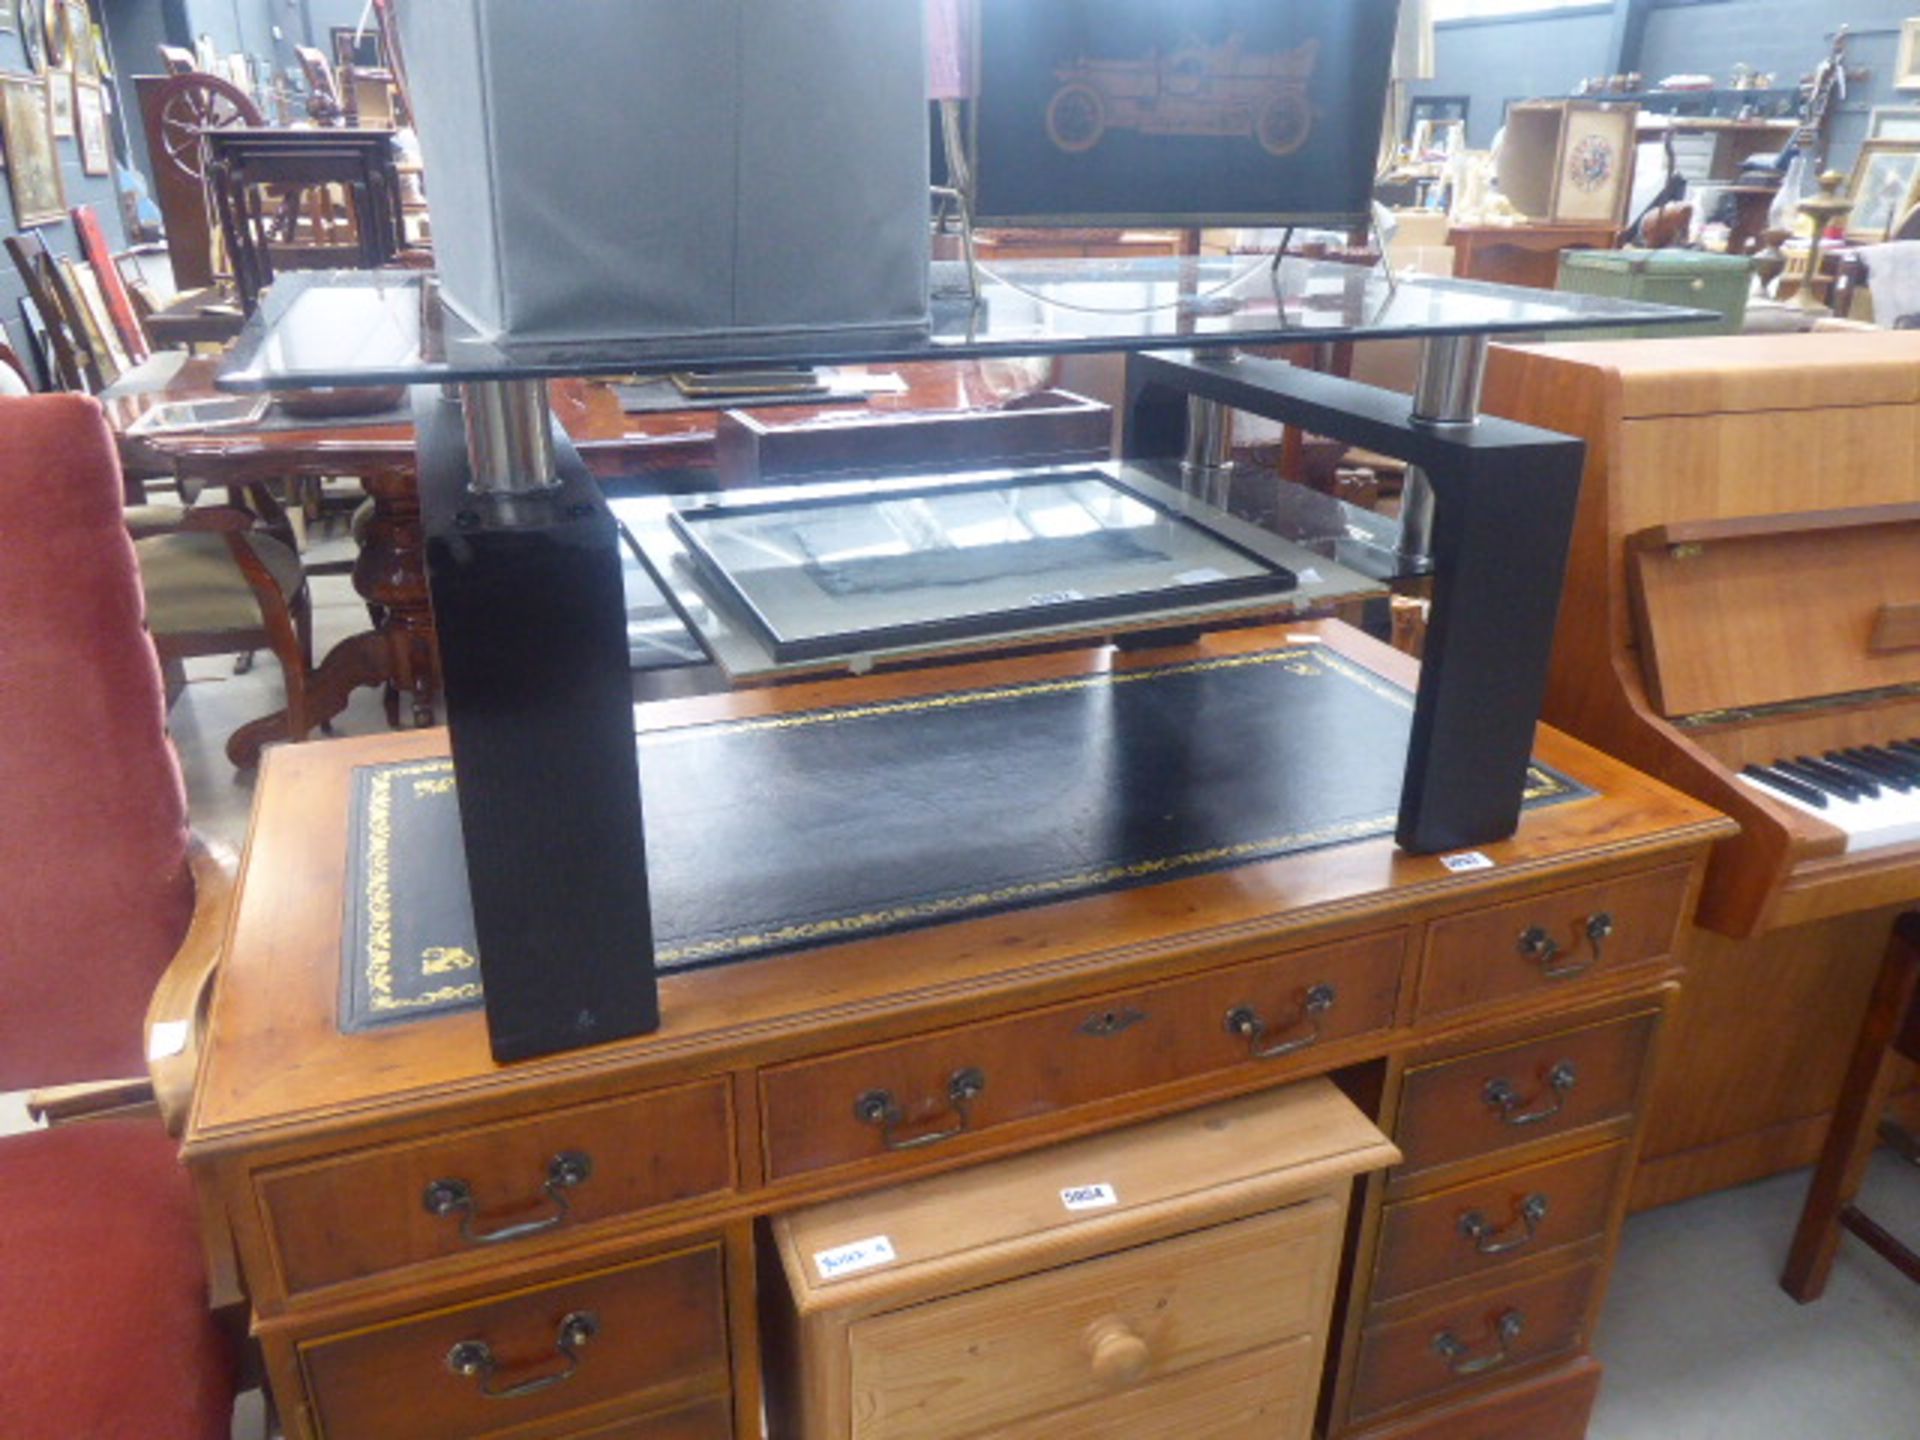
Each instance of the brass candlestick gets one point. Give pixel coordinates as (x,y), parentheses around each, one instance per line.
(1822,209)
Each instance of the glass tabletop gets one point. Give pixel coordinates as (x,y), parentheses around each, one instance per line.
(330,328)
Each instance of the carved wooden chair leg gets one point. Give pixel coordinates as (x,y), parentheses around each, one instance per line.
(1891,1020)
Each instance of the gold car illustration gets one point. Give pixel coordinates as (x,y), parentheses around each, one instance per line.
(1191,90)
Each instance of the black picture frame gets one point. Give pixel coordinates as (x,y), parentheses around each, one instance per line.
(1179,112)
(786,648)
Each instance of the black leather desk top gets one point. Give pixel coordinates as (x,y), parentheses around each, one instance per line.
(801,829)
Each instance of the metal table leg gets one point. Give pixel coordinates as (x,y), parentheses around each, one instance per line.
(1446,393)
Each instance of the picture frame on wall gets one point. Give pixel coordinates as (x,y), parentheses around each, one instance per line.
(1906,68)
(78,23)
(33,163)
(60,103)
(1894,122)
(33,35)
(1886,178)
(90,121)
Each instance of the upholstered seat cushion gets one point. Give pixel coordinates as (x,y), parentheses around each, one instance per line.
(153,517)
(194,587)
(104,1330)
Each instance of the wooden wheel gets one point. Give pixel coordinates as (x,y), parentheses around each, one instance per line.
(190,104)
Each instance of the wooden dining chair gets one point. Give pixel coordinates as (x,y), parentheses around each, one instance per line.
(217,584)
(111,918)
(72,357)
(1889,1035)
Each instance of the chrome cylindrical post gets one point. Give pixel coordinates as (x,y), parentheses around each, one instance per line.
(1206,469)
(509,437)
(1446,392)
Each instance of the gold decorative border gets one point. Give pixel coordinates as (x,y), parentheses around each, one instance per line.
(436,777)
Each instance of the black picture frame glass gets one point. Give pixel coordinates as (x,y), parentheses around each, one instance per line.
(896,566)
(1183,112)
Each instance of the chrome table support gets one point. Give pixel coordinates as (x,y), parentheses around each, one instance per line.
(509,437)
(1206,470)
(1445,393)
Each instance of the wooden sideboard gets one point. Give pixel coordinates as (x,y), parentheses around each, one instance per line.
(1500,1024)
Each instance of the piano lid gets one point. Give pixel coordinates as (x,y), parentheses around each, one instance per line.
(1768,610)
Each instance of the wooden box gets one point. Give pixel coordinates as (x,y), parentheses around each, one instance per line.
(1175,1278)
(1569,161)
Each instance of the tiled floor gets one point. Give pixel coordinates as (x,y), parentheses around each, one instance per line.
(1699,1341)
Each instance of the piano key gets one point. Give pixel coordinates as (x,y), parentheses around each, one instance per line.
(1866,771)
(1839,787)
(1898,774)
(1887,817)
(1898,757)
(1842,772)
(1786,785)
(1886,755)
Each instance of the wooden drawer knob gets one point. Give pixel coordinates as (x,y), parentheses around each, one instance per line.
(1119,1354)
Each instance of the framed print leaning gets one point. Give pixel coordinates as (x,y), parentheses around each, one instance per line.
(33,168)
(1885,180)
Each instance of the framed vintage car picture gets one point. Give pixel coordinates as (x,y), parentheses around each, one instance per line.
(33,167)
(1885,180)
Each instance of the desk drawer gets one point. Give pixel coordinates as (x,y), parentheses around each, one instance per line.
(1268,1393)
(962,1081)
(1474,1228)
(975,1363)
(706,1420)
(1554,1405)
(1486,1102)
(650,1331)
(1551,940)
(375,1210)
(1457,1346)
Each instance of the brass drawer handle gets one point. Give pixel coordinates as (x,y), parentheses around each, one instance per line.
(1536,944)
(1459,1355)
(474,1358)
(455,1197)
(878,1107)
(1245,1021)
(1488,1241)
(1506,1101)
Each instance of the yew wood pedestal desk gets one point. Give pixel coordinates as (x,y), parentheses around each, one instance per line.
(395,1195)
(552,1219)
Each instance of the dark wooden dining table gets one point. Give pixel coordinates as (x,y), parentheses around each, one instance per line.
(398,651)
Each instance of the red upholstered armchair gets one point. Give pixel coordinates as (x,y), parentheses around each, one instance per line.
(104,1323)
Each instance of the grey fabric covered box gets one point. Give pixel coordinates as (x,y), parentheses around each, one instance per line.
(603,174)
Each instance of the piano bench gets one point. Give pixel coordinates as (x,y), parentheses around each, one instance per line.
(1891,1030)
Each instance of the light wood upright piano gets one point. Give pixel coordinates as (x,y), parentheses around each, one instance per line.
(1744,589)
